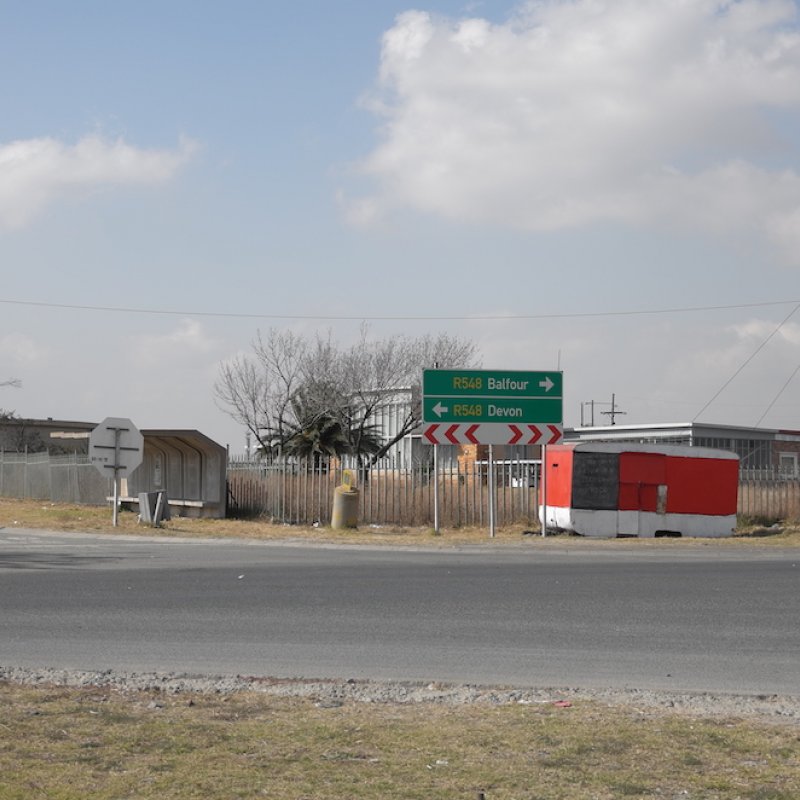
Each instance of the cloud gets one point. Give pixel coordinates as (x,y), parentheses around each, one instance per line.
(757,331)
(582,111)
(35,172)
(20,349)
(186,345)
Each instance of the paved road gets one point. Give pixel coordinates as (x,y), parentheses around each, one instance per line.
(675,617)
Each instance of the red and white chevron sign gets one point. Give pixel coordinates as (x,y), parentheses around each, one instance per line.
(490,433)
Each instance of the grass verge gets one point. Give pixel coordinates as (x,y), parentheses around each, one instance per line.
(63,517)
(96,742)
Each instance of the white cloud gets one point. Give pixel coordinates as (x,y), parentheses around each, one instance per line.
(756,331)
(20,349)
(186,345)
(35,172)
(579,111)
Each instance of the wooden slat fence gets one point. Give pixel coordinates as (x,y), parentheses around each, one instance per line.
(767,496)
(303,493)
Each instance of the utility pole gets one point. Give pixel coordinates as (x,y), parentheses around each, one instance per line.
(589,403)
(613,413)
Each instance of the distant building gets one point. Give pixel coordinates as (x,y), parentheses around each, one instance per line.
(759,449)
(391,414)
(56,436)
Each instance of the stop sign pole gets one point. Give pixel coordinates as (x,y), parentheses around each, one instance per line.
(116,444)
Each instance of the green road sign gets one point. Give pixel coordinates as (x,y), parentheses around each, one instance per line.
(478,409)
(490,383)
(472,396)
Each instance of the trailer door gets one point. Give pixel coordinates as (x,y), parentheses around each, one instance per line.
(642,492)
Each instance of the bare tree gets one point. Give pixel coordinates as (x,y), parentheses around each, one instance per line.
(352,385)
(8,415)
(380,372)
(16,435)
(257,390)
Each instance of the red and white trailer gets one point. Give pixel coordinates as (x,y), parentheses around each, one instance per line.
(608,489)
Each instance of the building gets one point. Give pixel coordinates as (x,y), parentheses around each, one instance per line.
(392,410)
(56,436)
(762,452)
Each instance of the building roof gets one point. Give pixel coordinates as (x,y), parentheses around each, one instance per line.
(636,447)
(674,430)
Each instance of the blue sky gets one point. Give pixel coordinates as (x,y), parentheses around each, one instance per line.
(506,171)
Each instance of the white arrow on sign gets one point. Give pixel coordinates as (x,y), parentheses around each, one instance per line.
(439,409)
(546,384)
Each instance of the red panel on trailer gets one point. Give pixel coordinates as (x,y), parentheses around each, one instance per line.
(628,496)
(702,485)
(640,475)
(642,468)
(638,497)
(559,476)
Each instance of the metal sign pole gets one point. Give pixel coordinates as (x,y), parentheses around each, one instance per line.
(544,490)
(436,520)
(492,521)
(115,513)
(117,433)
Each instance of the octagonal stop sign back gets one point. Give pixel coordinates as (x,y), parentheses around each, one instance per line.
(116,447)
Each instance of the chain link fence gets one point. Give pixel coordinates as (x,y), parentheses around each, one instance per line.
(68,478)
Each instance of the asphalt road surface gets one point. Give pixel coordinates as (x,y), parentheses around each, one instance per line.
(673,617)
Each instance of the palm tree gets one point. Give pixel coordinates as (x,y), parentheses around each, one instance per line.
(316,436)
(316,430)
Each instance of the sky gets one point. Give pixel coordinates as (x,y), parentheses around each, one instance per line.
(606,187)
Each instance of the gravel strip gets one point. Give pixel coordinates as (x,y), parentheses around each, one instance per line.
(331,693)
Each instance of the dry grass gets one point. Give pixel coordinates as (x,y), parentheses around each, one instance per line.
(67,744)
(63,517)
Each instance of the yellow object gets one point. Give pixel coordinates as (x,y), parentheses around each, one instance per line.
(345,507)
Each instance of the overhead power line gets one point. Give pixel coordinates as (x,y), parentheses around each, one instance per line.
(392,317)
(780,392)
(747,361)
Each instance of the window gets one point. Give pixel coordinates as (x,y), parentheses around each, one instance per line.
(787,465)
